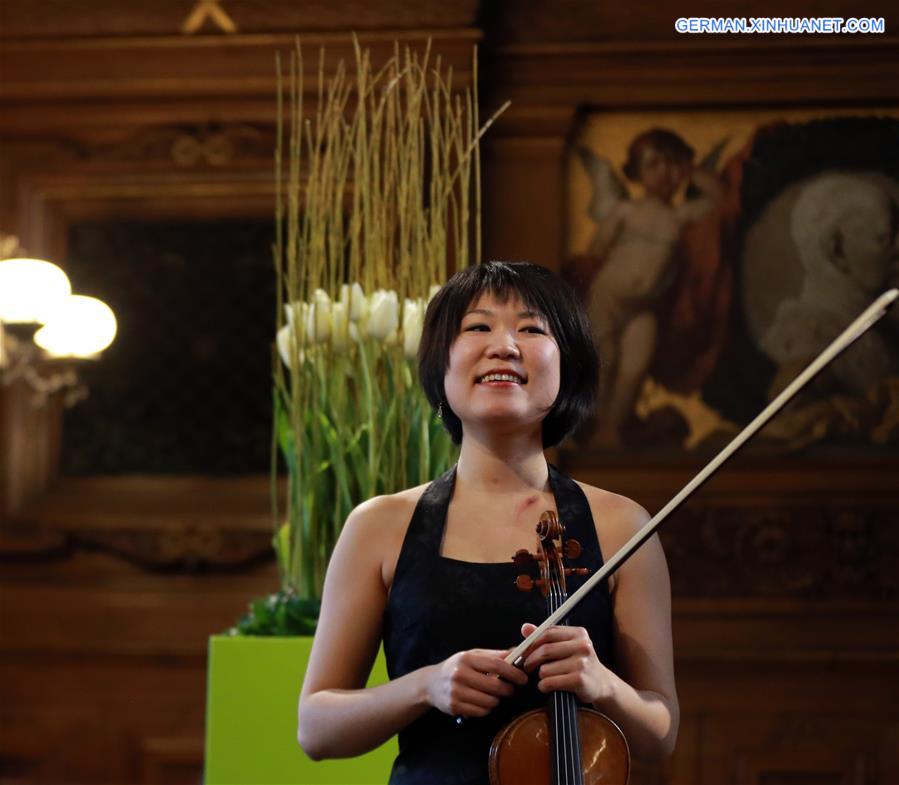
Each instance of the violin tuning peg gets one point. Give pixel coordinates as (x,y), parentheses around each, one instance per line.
(577,571)
(524,583)
(572,549)
(522,558)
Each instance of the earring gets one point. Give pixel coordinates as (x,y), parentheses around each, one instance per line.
(440,410)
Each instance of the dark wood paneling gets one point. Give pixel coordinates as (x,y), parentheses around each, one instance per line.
(58,18)
(575,20)
(109,587)
(763,71)
(192,67)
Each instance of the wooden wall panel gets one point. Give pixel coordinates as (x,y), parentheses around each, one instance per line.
(109,587)
(524,174)
(103,663)
(165,17)
(574,20)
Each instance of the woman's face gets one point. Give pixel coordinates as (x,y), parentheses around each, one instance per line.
(503,338)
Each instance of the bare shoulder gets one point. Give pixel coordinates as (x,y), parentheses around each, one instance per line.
(617,518)
(384,511)
(613,510)
(379,526)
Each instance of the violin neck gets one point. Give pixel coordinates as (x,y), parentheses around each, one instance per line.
(565,737)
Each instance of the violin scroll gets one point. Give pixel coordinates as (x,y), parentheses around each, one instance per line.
(549,527)
(548,556)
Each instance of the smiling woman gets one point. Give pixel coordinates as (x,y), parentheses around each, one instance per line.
(531,308)
(507,359)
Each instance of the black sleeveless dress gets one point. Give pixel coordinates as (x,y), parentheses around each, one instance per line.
(439,606)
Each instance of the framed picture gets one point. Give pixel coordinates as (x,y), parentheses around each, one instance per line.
(720,252)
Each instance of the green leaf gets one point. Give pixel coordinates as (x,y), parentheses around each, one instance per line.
(279,614)
(281,544)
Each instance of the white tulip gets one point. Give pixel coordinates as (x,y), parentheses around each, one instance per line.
(318,318)
(293,309)
(309,324)
(345,294)
(354,299)
(286,339)
(299,320)
(383,314)
(339,326)
(283,340)
(413,318)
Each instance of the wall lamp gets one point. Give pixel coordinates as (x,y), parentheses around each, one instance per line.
(45,329)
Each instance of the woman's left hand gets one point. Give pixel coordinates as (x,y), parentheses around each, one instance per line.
(567,661)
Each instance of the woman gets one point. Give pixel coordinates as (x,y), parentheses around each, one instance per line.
(507,359)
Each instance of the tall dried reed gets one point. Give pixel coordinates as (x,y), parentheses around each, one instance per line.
(378,185)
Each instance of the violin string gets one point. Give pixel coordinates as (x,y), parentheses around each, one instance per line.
(557,734)
(569,711)
(557,723)
(559,716)
(566,712)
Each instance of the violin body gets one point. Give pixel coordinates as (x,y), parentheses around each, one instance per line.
(520,753)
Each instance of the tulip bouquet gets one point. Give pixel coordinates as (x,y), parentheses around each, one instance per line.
(377,195)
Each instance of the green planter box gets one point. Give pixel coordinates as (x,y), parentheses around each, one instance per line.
(251,718)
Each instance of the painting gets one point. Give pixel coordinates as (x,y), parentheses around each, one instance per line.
(718,253)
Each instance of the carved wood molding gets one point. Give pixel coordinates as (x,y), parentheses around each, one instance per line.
(198,66)
(546,79)
(783,544)
(49,203)
(141,17)
(182,547)
(214,146)
(172,524)
(815,552)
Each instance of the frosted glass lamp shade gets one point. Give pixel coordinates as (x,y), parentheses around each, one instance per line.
(31,290)
(80,327)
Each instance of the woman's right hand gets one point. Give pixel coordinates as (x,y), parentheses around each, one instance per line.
(471,683)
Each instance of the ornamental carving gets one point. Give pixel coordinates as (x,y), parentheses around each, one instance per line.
(801,553)
(182,547)
(212,146)
(805,552)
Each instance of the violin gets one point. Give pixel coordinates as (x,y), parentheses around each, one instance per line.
(551,744)
(563,744)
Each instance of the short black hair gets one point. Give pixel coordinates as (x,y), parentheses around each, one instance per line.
(540,290)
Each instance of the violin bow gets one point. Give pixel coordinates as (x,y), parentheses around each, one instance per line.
(868,318)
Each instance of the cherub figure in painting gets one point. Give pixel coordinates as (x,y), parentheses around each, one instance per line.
(634,247)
